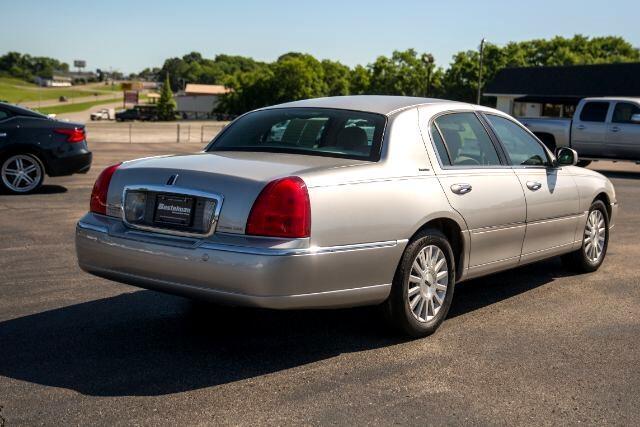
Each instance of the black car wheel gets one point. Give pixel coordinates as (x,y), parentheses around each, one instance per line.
(21,173)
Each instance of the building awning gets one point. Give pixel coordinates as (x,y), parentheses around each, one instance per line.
(565,100)
(198,89)
(575,81)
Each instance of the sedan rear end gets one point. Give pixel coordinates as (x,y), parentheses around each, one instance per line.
(237,223)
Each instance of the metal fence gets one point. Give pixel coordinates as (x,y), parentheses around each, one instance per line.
(139,132)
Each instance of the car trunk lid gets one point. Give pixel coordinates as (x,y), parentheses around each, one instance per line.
(237,177)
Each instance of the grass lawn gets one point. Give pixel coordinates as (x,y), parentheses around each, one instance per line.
(18,91)
(73,108)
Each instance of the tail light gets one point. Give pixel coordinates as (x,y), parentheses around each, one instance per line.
(98,203)
(282,209)
(73,134)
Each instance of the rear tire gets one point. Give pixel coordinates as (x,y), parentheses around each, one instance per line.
(595,240)
(423,285)
(21,173)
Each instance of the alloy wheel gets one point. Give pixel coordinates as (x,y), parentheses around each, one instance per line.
(21,173)
(594,236)
(428,281)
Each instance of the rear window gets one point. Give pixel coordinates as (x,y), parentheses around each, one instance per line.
(594,112)
(310,131)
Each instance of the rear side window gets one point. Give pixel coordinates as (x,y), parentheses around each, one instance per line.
(441,150)
(310,131)
(522,148)
(594,112)
(623,112)
(466,140)
(4,115)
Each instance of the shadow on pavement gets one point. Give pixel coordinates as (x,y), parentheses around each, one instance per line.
(620,174)
(147,343)
(44,189)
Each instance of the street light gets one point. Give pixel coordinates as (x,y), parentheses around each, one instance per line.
(482,42)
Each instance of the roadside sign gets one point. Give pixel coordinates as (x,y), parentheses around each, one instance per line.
(131,97)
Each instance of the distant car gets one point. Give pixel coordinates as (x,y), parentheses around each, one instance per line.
(139,112)
(33,145)
(103,114)
(601,128)
(345,201)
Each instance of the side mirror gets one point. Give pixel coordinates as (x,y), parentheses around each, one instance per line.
(635,118)
(566,157)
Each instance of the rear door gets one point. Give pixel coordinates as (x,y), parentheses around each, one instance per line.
(482,188)
(551,194)
(8,128)
(623,135)
(588,132)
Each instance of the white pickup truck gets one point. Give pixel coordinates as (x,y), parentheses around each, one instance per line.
(601,128)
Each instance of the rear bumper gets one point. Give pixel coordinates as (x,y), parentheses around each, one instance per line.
(270,277)
(77,163)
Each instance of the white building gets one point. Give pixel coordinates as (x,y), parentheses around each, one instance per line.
(198,101)
(54,81)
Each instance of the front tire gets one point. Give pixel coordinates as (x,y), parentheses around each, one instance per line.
(595,240)
(583,163)
(423,285)
(21,173)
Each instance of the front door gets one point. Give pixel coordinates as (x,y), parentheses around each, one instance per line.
(484,190)
(588,130)
(552,197)
(623,135)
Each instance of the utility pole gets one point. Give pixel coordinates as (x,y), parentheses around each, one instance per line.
(480,71)
(428,60)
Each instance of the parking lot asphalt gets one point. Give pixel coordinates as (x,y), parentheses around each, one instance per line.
(534,345)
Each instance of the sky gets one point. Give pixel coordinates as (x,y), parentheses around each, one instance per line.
(131,35)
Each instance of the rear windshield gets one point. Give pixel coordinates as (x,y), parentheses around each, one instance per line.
(310,131)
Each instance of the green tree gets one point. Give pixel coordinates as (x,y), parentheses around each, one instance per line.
(166,104)
(359,80)
(336,77)
(461,78)
(404,73)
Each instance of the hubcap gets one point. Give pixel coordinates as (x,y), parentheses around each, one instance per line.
(428,281)
(21,173)
(594,236)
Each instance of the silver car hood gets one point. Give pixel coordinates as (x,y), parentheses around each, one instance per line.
(237,176)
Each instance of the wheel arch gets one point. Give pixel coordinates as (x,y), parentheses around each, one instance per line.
(453,231)
(604,198)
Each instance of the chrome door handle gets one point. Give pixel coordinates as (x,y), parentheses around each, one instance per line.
(534,185)
(461,188)
(580,127)
(2,135)
(615,129)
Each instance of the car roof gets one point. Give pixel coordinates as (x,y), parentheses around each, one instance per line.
(20,111)
(613,98)
(381,104)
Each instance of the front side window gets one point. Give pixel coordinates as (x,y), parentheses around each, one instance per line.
(4,115)
(594,112)
(521,147)
(310,131)
(467,142)
(623,112)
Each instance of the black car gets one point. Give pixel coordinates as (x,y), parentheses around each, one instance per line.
(32,145)
(139,112)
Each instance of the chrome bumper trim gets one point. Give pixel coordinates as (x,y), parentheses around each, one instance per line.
(92,227)
(314,250)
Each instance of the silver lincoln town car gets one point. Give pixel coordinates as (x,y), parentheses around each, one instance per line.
(345,201)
